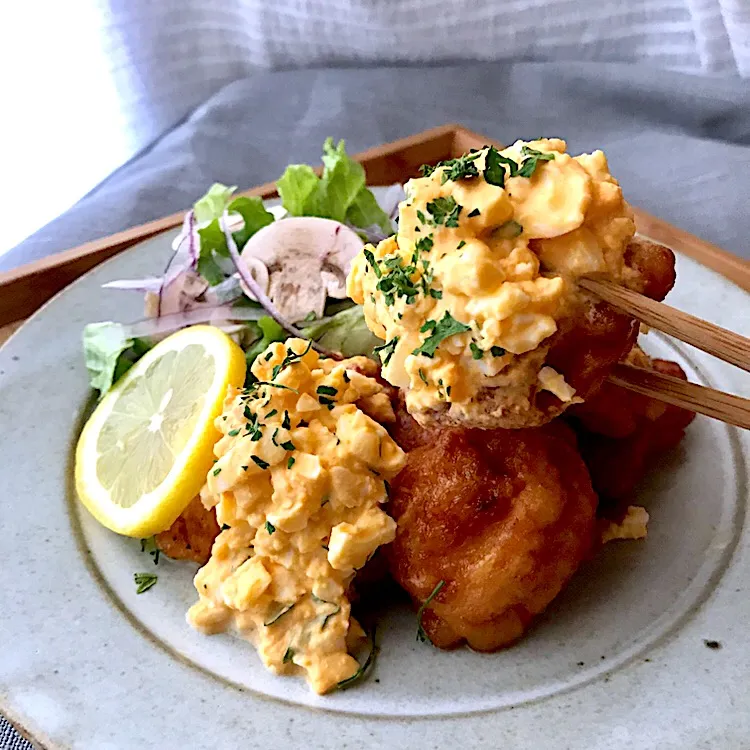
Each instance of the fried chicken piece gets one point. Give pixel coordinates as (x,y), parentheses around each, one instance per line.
(504,518)
(621,433)
(589,341)
(192,535)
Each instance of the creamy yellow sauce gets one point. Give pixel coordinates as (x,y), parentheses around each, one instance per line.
(298,483)
(493,267)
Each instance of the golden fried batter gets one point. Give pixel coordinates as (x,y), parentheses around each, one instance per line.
(504,518)
(621,433)
(191,536)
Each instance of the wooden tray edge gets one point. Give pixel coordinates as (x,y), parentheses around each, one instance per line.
(25,289)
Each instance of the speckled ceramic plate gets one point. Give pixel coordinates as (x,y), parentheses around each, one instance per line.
(619,660)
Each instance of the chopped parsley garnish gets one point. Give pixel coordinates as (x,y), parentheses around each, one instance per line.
(280,614)
(371,260)
(397,281)
(475,212)
(445,210)
(233,433)
(271,413)
(421,635)
(534,157)
(428,325)
(288,446)
(270,528)
(462,168)
(424,244)
(364,669)
(436,294)
(476,352)
(259,462)
(286,422)
(422,376)
(421,217)
(460,244)
(268,356)
(446,327)
(494,171)
(245,468)
(497,351)
(326,390)
(144,581)
(385,352)
(217,471)
(288,656)
(273,437)
(291,358)
(427,170)
(290,462)
(225,526)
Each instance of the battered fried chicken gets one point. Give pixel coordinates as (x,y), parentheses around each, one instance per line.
(191,536)
(621,433)
(503,518)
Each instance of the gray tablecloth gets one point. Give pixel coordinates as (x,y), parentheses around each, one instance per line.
(679,144)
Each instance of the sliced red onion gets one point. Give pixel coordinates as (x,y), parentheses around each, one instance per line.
(221,316)
(260,295)
(149,284)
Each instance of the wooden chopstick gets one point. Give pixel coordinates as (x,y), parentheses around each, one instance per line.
(724,344)
(717,404)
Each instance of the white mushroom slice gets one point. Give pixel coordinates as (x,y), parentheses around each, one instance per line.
(307,259)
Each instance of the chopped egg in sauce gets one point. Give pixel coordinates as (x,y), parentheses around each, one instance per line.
(300,477)
(483,267)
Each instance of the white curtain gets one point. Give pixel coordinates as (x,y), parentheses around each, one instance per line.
(87,84)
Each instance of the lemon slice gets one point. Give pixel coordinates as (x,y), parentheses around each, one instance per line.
(146,450)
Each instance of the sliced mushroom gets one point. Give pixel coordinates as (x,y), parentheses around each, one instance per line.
(307,260)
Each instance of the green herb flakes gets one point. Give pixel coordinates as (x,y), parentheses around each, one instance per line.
(144,581)
(279,614)
(290,462)
(385,352)
(270,528)
(476,352)
(447,326)
(259,462)
(445,210)
(421,634)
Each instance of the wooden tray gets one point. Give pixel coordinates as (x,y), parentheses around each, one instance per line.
(25,289)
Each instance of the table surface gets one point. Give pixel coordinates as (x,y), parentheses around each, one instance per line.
(679,144)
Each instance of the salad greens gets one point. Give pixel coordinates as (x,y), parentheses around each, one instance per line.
(201,283)
(339,194)
(213,243)
(345,332)
(109,353)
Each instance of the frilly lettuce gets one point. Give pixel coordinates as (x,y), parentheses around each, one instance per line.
(340,193)
(109,352)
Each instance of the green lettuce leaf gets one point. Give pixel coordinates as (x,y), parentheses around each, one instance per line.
(299,188)
(213,243)
(345,332)
(340,193)
(109,353)
(268,331)
(213,203)
(365,211)
(342,180)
